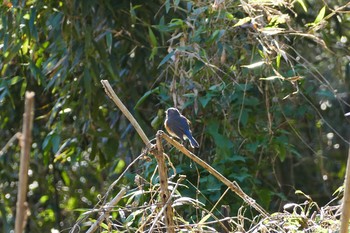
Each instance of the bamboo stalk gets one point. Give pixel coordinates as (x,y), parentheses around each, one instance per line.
(345,215)
(25,143)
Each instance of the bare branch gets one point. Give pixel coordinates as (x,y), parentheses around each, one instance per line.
(107,209)
(111,94)
(9,143)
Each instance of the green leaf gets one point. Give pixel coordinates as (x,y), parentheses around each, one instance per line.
(244,117)
(152,37)
(55,141)
(242,21)
(145,96)
(204,219)
(65,178)
(278,60)
(87,83)
(166,58)
(120,166)
(32,27)
(153,53)
(43,199)
(176,23)
(217,87)
(235,158)
(109,41)
(167,6)
(229,16)
(219,139)
(217,34)
(197,67)
(301,2)
(15,80)
(320,15)
(176,2)
(133,13)
(204,100)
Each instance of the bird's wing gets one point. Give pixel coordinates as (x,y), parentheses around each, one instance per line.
(180,127)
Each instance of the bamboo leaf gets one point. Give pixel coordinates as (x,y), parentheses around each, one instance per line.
(254,65)
(152,37)
(320,15)
(166,58)
(301,2)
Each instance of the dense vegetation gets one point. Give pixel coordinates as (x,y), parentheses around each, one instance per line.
(264,83)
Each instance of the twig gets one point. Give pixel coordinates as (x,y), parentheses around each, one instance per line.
(121,176)
(232,185)
(345,215)
(107,209)
(9,143)
(169,228)
(25,143)
(104,199)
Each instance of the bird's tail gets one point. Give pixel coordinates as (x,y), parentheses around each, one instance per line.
(193,141)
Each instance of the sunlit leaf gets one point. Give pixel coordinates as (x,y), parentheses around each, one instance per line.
(229,16)
(43,199)
(120,166)
(278,60)
(204,219)
(254,65)
(242,21)
(65,178)
(270,78)
(301,2)
(176,23)
(272,30)
(320,15)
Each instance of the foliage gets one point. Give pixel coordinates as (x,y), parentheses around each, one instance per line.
(264,84)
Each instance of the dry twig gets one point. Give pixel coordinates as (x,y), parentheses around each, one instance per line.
(107,209)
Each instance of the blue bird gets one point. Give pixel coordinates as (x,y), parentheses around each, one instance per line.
(178,126)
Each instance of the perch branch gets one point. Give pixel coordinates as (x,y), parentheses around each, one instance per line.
(25,143)
(232,185)
(162,170)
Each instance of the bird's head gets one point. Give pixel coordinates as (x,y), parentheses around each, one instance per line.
(172,112)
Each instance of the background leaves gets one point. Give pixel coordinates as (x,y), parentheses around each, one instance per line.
(214,61)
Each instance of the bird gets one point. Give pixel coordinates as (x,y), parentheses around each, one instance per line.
(177,126)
